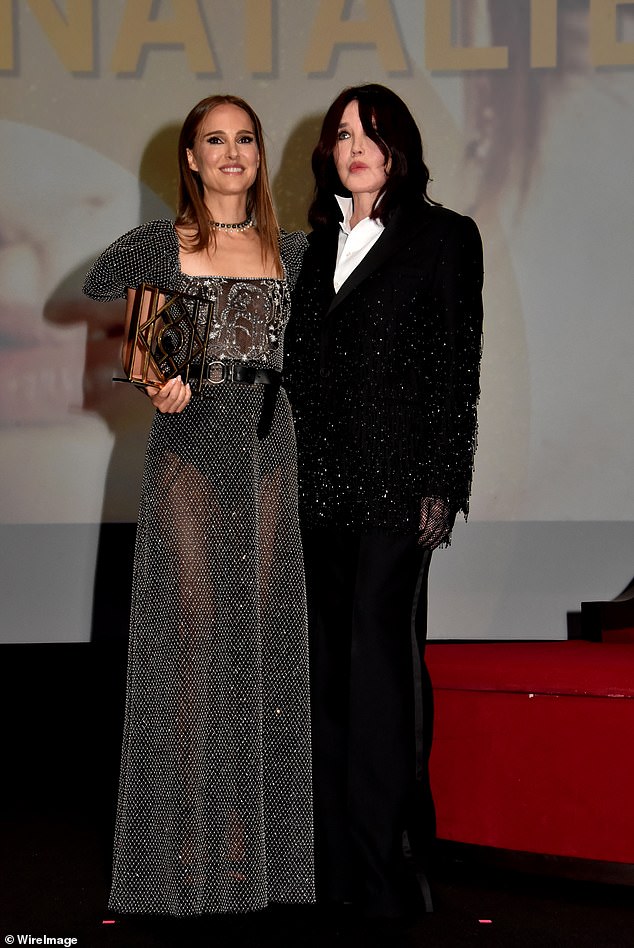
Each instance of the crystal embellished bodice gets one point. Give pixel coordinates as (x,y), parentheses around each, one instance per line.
(248,319)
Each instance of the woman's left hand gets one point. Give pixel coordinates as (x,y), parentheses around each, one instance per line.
(172,397)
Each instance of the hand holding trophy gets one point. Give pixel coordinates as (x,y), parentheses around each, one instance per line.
(164,342)
(165,337)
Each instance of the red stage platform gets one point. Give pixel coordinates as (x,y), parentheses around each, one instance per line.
(533,746)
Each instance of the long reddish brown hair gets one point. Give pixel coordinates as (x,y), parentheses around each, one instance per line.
(191,212)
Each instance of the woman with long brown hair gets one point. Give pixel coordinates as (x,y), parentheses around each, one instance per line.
(214,810)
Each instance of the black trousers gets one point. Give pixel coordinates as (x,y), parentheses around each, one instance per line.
(372,715)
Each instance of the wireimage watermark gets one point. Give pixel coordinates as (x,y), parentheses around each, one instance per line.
(39,940)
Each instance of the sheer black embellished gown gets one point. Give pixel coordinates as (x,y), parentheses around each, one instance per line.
(215,811)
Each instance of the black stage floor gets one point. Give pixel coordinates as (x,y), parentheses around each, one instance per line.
(61,725)
(56,879)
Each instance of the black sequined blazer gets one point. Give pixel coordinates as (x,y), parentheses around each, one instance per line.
(383,376)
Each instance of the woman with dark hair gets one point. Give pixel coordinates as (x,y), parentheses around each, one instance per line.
(383,355)
(215,811)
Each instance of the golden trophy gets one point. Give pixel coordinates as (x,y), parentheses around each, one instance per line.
(166,334)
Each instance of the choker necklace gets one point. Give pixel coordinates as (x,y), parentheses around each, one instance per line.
(243,225)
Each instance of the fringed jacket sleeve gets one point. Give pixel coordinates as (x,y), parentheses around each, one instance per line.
(457,298)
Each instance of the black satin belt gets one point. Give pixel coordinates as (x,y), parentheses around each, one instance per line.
(216,373)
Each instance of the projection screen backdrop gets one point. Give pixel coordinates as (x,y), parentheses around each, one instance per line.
(526,111)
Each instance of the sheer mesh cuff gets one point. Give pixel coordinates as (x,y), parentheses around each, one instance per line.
(436,522)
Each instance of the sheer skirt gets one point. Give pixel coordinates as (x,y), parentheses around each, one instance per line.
(214,809)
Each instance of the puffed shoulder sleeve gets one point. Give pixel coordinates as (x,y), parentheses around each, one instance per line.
(293,246)
(146,254)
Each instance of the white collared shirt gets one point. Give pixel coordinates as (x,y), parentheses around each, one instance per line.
(353,244)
